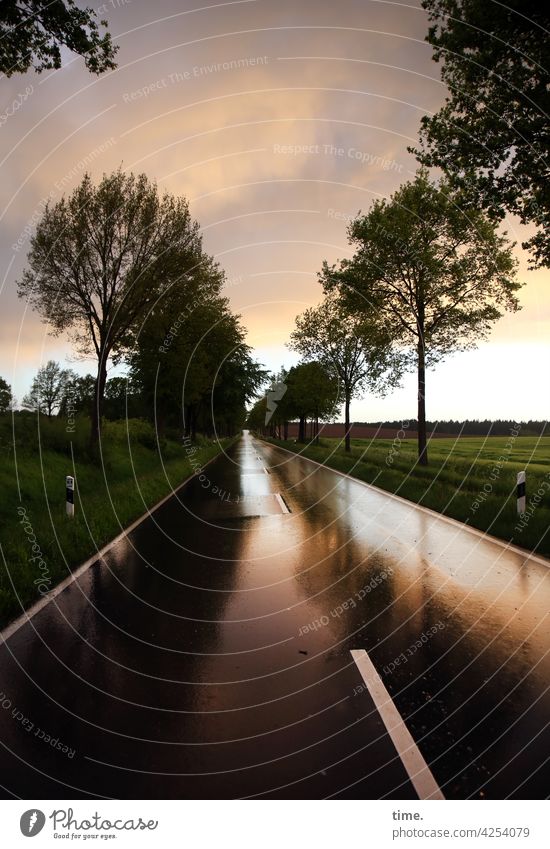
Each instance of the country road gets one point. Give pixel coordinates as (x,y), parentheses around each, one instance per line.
(218,651)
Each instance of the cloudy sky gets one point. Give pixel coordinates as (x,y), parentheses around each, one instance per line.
(279,120)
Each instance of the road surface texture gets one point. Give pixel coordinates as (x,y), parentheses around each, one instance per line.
(218,651)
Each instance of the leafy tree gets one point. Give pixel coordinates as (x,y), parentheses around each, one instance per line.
(239,379)
(278,408)
(353,349)
(100,258)
(79,394)
(312,394)
(48,389)
(6,398)
(190,359)
(33,31)
(435,272)
(256,416)
(492,132)
(122,399)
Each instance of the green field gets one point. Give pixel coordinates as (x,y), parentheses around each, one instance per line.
(111,493)
(472,479)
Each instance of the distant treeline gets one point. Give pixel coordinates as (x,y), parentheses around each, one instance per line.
(470,427)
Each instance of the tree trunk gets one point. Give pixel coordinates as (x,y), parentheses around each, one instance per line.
(302,430)
(347,425)
(99,391)
(422,442)
(285,431)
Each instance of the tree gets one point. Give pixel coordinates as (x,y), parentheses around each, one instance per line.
(238,380)
(79,395)
(99,260)
(48,389)
(492,132)
(256,416)
(353,349)
(122,399)
(190,359)
(312,394)
(435,272)
(6,397)
(33,31)
(278,406)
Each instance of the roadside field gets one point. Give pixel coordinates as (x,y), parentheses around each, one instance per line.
(39,543)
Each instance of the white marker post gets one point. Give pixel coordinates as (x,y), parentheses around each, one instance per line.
(69,487)
(521,492)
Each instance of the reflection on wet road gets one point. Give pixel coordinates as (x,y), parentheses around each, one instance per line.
(209,654)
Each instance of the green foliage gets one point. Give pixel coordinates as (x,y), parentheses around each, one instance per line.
(190,361)
(354,350)
(79,395)
(491,135)
(32,33)
(5,396)
(312,391)
(308,391)
(48,390)
(435,270)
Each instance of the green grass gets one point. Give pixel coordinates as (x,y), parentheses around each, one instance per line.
(111,493)
(472,479)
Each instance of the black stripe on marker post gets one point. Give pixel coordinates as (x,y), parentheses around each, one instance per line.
(69,495)
(521,493)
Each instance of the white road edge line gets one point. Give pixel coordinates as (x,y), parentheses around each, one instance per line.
(25,617)
(411,757)
(282,504)
(524,552)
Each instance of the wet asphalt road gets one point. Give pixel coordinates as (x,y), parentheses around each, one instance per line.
(208,655)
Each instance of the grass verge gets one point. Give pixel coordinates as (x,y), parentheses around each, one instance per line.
(472,479)
(39,543)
